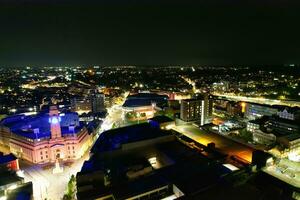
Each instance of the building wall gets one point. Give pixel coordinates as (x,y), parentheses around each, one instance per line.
(5,135)
(263,138)
(70,147)
(252,127)
(254,111)
(97,103)
(196,110)
(81,105)
(191,110)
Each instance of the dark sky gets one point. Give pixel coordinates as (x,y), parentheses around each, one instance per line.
(148,32)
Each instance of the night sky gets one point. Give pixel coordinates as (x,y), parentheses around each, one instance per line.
(148,33)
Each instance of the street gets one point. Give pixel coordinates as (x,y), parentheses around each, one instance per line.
(47,185)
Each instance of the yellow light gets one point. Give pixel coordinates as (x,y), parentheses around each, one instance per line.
(243,104)
(12,187)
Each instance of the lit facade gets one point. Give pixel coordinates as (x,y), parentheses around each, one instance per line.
(81,105)
(46,137)
(196,110)
(263,138)
(144,104)
(254,111)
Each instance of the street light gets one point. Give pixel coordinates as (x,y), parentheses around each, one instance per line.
(138,116)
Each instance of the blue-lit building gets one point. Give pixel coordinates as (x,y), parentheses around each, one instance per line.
(45,137)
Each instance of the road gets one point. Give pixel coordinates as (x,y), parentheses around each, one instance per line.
(259,100)
(47,185)
(224,144)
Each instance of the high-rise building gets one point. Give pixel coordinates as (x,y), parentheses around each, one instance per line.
(97,102)
(198,109)
(93,103)
(81,105)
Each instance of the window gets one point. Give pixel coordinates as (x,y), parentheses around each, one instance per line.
(41,157)
(41,152)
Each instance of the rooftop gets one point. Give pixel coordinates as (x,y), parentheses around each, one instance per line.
(161,119)
(7,158)
(38,126)
(291,137)
(113,139)
(144,99)
(172,159)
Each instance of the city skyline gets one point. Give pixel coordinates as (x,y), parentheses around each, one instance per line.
(152,100)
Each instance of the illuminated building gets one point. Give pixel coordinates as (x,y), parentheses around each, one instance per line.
(192,110)
(254,111)
(226,107)
(144,104)
(81,105)
(221,86)
(263,138)
(289,113)
(283,126)
(254,125)
(93,103)
(243,104)
(47,136)
(290,142)
(9,162)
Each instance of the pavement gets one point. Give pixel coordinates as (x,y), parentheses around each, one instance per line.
(47,185)
(285,170)
(225,145)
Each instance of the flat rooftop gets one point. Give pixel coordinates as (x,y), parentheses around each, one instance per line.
(144,99)
(25,125)
(113,139)
(161,119)
(175,163)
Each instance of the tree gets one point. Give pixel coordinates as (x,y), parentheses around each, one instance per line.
(114,125)
(71,190)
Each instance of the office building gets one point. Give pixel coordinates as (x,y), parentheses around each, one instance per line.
(97,102)
(263,138)
(254,111)
(81,105)
(196,110)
